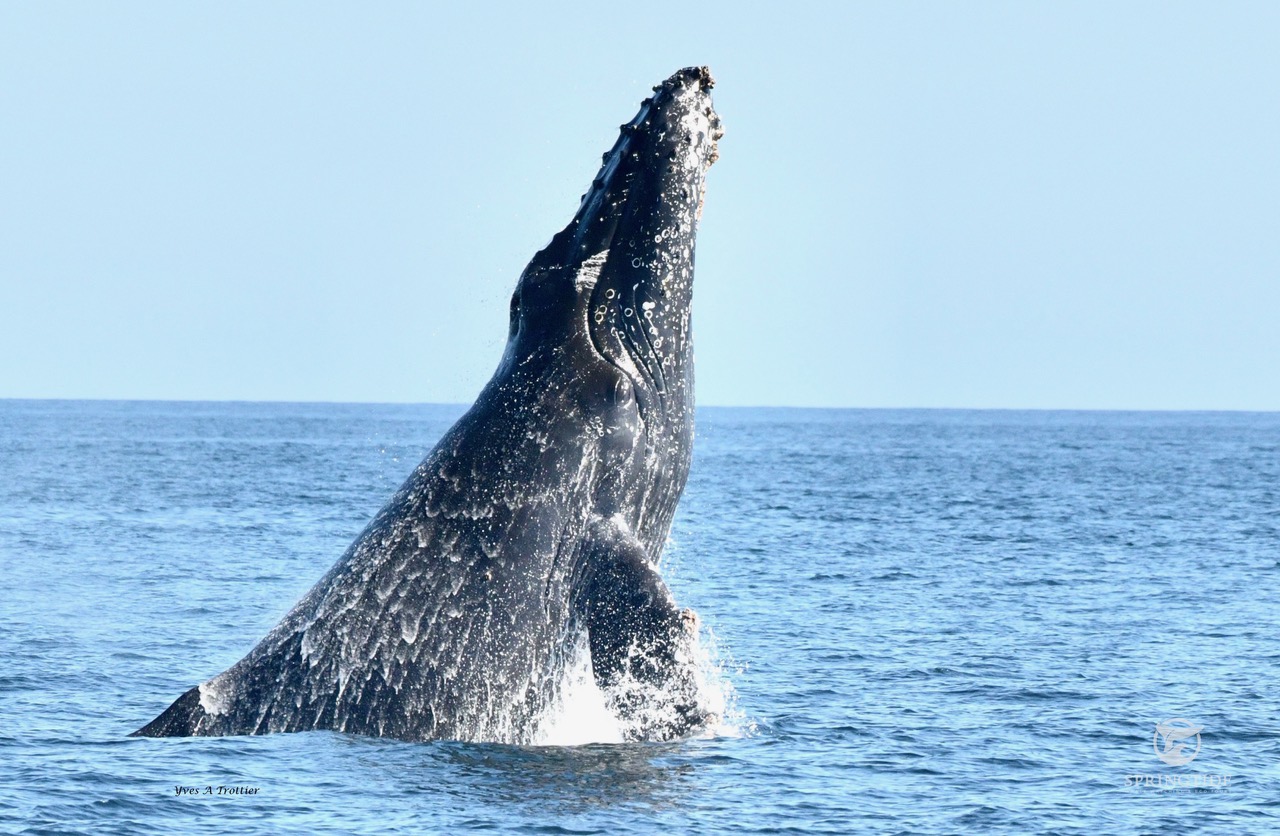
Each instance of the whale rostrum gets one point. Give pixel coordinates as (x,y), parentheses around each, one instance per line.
(535,524)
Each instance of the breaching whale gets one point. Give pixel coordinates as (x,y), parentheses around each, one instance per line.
(535,525)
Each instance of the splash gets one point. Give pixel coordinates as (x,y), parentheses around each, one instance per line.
(715,667)
(580,712)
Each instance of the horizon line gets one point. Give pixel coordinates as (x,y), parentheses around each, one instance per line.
(810,407)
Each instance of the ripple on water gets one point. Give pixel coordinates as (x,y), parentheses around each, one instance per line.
(925,622)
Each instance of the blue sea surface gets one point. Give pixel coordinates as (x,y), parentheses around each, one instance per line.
(933,622)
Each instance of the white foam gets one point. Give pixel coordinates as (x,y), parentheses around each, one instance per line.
(716,693)
(579,715)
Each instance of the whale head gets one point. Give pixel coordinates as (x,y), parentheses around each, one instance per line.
(617,282)
(621,272)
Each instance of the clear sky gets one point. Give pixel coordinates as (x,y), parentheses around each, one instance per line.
(917,204)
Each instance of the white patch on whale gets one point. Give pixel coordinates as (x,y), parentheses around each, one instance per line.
(214,696)
(589,273)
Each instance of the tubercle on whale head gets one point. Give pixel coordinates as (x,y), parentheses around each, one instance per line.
(622,269)
(674,135)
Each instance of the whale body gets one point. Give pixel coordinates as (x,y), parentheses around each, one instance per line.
(535,525)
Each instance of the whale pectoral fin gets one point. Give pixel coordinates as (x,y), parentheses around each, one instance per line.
(641,642)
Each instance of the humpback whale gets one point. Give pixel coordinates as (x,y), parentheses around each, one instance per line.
(534,526)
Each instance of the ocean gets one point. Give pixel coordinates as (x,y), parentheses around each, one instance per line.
(920,622)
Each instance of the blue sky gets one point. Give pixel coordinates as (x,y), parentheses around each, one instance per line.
(917,204)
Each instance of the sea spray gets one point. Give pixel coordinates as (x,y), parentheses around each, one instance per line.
(580,713)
